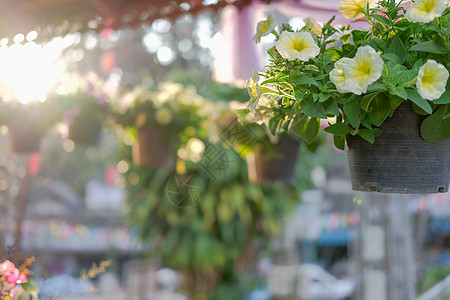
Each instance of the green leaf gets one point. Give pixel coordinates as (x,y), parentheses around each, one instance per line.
(367,134)
(380,18)
(445,98)
(399,91)
(377,132)
(324,97)
(366,122)
(430,47)
(395,102)
(331,107)
(340,129)
(339,142)
(273,125)
(435,128)
(274,79)
(352,112)
(379,109)
(298,78)
(312,130)
(313,109)
(30,286)
(367,99)
(414,96)
(307,128)
(398,48)
(391,57)
(299,94)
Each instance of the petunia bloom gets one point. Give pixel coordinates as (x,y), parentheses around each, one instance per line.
(431,80)
(365,68)
(253,90)
(425,10)
(312,25)
(264,28)
(297,45)
(337,76)
(354,9)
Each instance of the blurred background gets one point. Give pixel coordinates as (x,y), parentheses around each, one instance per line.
(191,224)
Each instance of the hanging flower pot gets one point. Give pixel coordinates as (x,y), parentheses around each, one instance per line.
(85,130)
(24,136)
(399,161)
(276,165)
(153,149)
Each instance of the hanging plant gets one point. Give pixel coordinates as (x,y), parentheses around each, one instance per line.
(360,81)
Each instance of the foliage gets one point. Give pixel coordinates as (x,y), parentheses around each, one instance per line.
(358,77)
(40,116)
(432,276)
(212,233)
(208,88)
(171,107)
(84,100)
(207,226)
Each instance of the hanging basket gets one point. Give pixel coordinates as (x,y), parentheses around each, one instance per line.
(24,136)
(399,161)
(85,131)
(269,167)
(152,149)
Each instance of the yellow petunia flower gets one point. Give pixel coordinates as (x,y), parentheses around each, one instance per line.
(431,80)
(365,68)
(337,76)
(354,9)
(297,45)
(264,28)
(312,25)
(425,10)
(253,90)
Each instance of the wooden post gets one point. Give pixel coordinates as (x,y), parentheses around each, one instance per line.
(20,210)
(386,261)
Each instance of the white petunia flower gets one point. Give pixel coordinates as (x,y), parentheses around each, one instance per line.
(297,45)
(425,10)
(337,76)
(354,9)
(312,25)
(365,68)
(253,90)
(264,28)
(431,80)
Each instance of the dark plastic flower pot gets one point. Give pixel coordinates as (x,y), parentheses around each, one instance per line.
(152,149)
(399,161)
(269,167)
(24,137)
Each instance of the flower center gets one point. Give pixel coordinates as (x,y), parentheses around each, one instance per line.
(299,45)
(265,26)
(365,69)
(428,5)
(427,78)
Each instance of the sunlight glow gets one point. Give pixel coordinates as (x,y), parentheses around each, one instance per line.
(28,71)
